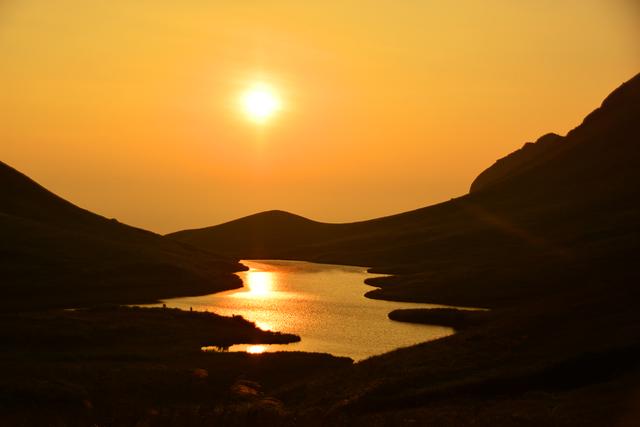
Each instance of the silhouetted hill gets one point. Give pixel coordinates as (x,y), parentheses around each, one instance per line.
(530,155)
(553,209)
(600,155)
(251,236)
(55,253)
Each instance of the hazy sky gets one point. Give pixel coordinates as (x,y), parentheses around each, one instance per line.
(130,108)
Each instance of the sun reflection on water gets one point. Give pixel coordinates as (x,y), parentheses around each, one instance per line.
(256,349)
(258,284)
(324,305)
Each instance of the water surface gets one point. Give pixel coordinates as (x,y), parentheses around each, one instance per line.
(323,304)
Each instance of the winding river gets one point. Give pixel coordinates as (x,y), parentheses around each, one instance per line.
(323,304)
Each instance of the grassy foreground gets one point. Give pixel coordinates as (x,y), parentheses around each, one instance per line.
(141,366)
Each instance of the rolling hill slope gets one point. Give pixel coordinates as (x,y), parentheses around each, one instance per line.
(54,253)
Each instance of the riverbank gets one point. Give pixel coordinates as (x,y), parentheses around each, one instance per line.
(568,362)
(458,319)
(322,303)
(126,366)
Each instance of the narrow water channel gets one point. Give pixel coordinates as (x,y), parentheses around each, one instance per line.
(323,304)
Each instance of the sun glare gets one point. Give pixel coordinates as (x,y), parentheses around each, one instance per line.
(260,102)
(256,349)
(260,283)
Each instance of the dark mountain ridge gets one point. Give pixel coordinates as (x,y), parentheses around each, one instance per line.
(55,253)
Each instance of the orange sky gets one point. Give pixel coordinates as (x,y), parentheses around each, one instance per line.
(129,108)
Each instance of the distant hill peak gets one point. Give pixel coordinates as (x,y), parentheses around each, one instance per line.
(276,213)
(271,218)
(272,215)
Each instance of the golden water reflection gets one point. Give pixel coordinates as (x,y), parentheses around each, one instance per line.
(258,284)
(256,349)
(248,348)
(323,304)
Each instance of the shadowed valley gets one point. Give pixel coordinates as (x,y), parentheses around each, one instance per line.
(547,239)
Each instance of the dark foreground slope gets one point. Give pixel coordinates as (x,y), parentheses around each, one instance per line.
(119,366)
(548,213)
(53,253)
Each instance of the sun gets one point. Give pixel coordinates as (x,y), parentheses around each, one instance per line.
(260,102)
